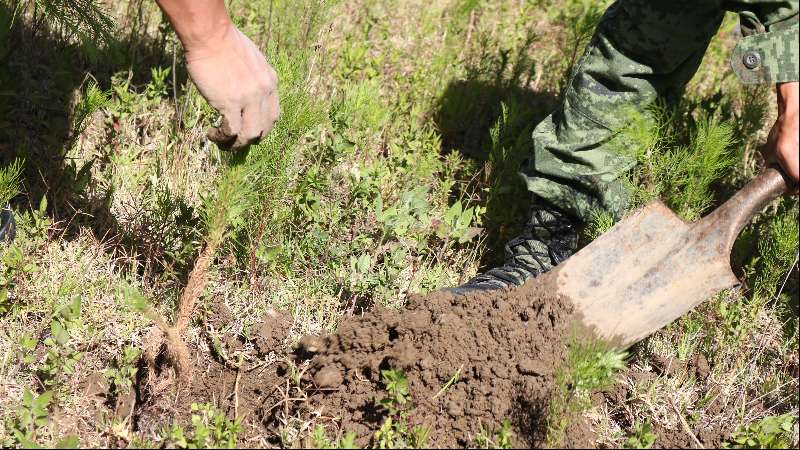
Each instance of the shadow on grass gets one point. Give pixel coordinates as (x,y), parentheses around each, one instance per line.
(41,72)
(42,75)
(488,118)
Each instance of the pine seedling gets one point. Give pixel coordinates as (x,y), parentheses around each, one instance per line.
(86,19)
(246,192)
(94,99)
(245,203)
(9,181)
(691,170)
(234,197)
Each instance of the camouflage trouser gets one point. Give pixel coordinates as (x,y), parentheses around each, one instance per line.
(643,50)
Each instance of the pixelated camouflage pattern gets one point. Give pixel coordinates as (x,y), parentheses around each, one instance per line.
(778,54)
(641,51)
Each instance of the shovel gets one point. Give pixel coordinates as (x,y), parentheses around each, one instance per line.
(653,267)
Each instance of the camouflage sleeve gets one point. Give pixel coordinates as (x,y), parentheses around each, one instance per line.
(768,52)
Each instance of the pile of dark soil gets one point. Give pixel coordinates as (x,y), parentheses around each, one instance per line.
(505,346)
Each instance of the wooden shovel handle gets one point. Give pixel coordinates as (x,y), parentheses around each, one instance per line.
(737,212)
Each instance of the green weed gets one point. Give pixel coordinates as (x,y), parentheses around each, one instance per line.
(210,428)
(769,432)
(501,438)
(395,432)
(590,366)
(157,87)
(122,373)
(320,440)
(32,415)
(13,264)
(61,359)
(642,437)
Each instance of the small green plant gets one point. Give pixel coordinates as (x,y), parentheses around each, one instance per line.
(642,437)
(457,223)
(123,371)
(12,264)
(157,87)
(502,438)
(61,359)
(404,217)
(395,432)
(15,263)
(397,388)
(590,366)
(769,432)
(211,428)
(29,417)
(32,414)
(123,98)
(320,440)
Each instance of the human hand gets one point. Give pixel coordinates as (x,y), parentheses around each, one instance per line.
(782,142)
(235,78)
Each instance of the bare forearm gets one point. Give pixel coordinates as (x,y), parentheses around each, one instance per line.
(198,23)
(784,135)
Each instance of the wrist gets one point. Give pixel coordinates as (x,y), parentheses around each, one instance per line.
(206,43)
(201,25)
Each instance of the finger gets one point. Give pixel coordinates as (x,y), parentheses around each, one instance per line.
(225,134)
(252,130)
(272,112)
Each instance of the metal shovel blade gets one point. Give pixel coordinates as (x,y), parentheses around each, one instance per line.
(653,267)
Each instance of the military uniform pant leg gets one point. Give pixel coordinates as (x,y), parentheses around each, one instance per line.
(641,50)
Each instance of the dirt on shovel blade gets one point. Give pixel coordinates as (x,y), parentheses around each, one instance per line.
(503,346)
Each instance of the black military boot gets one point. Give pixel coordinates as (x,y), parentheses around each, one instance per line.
(8,227)
(550,237)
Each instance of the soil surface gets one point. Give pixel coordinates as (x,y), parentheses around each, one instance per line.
(681,435)
(504,348)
